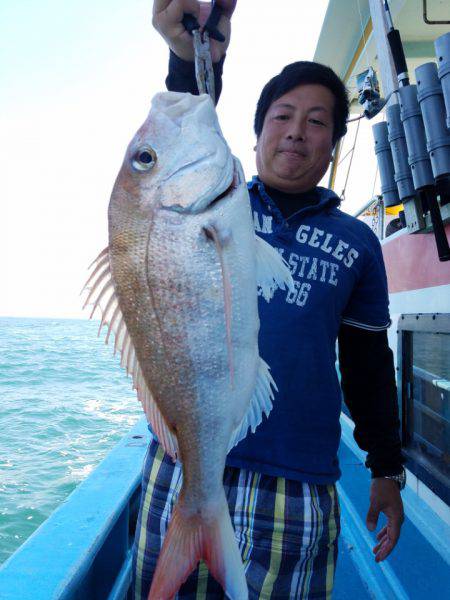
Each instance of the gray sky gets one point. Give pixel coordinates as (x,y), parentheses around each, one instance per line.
(77,78)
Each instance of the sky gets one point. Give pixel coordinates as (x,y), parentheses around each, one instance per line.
(77,78)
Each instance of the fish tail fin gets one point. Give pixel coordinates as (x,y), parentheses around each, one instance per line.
(190,539)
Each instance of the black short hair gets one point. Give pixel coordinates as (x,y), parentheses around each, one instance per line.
(301,73)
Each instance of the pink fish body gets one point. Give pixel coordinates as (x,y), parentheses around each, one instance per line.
(178,286)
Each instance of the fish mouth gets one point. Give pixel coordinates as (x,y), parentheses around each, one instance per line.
(236,181)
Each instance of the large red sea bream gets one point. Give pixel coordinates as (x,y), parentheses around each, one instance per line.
(178,287)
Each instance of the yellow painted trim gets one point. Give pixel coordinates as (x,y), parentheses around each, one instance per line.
(394,210)
(336,154)
(362,42)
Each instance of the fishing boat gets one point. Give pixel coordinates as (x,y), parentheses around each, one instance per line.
(83,551)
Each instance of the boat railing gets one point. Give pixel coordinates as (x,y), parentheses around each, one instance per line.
(375,206)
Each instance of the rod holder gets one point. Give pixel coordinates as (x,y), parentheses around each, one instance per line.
(442,47)
(385,164)
(416,140)
(397,140)
(431,100)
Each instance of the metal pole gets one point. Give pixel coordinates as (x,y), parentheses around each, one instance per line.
(368,204)
(381,216)
(380,30)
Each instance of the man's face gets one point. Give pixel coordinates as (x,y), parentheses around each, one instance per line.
(295,146)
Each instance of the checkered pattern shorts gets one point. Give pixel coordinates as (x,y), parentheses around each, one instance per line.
(287,532)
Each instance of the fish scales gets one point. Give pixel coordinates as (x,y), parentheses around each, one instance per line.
(179,330)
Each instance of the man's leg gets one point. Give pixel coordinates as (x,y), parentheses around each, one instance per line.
(287,532)
(314,572)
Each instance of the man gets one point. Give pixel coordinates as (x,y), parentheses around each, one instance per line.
(280,481)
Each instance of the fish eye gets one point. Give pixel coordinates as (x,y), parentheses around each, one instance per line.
(144,159)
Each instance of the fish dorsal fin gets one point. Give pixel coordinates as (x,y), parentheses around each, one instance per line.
(101,295)
(272,271)
(260,403)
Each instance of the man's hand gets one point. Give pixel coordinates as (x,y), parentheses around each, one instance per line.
(167,17)
(385,497)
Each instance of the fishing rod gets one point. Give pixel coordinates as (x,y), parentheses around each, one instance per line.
(396,46)
(413,145)
(368,87)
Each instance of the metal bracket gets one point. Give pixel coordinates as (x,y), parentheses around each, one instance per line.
(414,215)
(445,213)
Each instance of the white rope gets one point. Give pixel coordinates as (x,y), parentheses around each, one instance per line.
(375,180)
(351,160)
(358,118)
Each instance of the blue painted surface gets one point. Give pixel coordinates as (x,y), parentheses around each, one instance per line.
(348,582)
(83,550)
(419,566)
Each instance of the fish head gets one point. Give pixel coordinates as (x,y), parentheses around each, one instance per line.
(178,160)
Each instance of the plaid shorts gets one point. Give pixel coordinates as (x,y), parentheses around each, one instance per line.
(287,532)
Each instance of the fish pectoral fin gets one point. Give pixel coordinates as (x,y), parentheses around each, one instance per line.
(221,237)
(272,271)
(166,438)
(102,295)
(261,403)
(190,539)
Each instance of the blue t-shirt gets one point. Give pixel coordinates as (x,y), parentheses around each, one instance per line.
(339,276)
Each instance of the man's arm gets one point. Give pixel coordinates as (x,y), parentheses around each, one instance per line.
(370,392)
(167,20)
(369,389)
(181,77)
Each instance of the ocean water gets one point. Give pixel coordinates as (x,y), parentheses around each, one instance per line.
(65,402)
